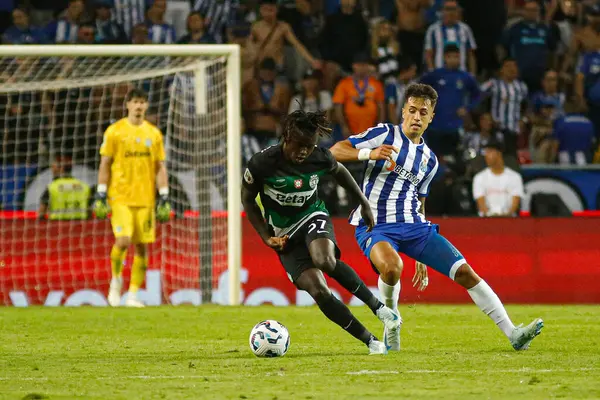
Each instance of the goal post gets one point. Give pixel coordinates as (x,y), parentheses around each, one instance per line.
(58,99)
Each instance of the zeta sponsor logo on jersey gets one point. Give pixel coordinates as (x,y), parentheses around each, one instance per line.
(403,173)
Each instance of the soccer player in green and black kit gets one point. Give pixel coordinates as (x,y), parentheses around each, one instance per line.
(297,223)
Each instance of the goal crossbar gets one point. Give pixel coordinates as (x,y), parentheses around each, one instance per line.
(233,114)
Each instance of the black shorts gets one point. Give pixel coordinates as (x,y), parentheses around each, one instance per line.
(295,257)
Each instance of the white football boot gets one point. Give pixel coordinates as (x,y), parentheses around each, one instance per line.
(133,301)
(377,347)
(521,336)
(392,324)
(114,293)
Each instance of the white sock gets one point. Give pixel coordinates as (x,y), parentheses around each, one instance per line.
(116,280)
(485,298)
(389,294)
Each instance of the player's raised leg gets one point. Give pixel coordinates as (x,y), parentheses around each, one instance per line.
(323,254)
(441,255)
(312,281)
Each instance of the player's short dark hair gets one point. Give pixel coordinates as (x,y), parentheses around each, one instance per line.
(405,63)
(136,93)
(305,124)
(422,91)
(508,59)
(451,48)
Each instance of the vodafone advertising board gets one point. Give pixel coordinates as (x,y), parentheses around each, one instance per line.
(66,263)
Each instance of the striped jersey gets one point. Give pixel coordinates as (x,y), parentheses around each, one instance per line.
(62,31)
(161,33)
(438,36)
(393,187)
(129,13)
(507,98)
(217,14)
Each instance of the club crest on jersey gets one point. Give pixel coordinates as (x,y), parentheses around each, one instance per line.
(423,166)
(314,180)
(298,183)
(248,177)
(148,142)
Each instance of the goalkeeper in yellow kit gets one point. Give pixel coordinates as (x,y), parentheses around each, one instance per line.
(131,168)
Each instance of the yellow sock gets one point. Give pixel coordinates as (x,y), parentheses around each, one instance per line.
(117,258)
(138,273)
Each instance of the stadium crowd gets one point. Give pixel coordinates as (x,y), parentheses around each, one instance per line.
(521,77)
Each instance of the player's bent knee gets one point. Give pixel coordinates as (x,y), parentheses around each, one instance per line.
(466,276)
(390,271)
(141,249)
(320,293)
(123,242)
(325,262)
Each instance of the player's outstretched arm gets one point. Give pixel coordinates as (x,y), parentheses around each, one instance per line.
(258,222)
(344,152)
(345,180)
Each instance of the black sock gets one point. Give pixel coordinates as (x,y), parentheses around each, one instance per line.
(337,312)
(349,279)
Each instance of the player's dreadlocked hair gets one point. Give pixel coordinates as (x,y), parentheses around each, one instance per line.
(306,124)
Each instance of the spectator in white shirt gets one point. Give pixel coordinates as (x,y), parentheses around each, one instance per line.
(497,189)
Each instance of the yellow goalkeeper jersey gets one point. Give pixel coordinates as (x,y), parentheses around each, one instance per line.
(135,151)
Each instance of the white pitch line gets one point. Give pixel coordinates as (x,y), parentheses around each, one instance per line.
(361,372)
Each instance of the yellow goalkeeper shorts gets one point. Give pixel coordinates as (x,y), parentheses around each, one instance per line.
(138,223)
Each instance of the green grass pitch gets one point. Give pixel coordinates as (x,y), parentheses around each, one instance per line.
(449,352)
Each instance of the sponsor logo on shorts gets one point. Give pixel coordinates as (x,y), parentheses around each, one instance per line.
(119,229)
(368,242)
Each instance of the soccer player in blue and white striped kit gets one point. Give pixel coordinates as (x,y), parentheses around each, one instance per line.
(399,169)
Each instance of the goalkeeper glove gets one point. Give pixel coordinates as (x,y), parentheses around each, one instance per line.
(101,208)
(163,209)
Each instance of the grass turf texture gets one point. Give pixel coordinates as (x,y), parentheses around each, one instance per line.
(179,353)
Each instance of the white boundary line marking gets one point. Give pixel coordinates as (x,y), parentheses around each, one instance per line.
(361,372)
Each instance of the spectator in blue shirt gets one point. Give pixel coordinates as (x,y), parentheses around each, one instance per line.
(574,134)
(394,91)
(587,86)
(64,30)
(107,30)
(160,32)
(549,94)
(458,94)
(21,32)
(197,33)
(531,43)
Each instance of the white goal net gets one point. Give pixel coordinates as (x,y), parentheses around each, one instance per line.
(55,104)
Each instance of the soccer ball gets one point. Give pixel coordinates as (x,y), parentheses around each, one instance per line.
(269,339)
